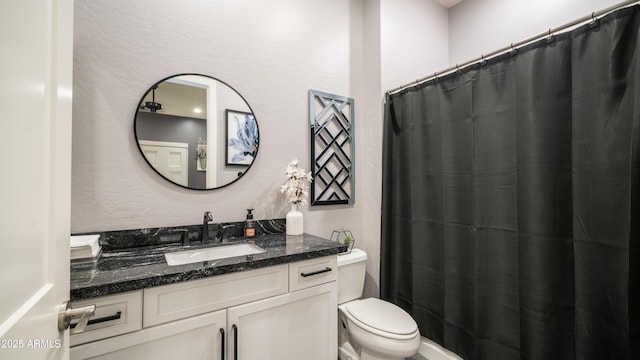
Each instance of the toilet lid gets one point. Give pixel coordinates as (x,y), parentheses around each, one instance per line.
(382,315)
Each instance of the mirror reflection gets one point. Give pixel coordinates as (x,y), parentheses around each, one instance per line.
(196,131)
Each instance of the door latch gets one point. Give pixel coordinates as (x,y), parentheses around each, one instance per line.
(68,313)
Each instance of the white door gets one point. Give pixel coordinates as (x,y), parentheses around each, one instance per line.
(169,159)
(36,38)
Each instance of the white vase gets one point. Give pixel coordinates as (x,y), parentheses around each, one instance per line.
(294,221)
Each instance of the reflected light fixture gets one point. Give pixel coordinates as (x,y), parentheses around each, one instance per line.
(197,110)
(153,105)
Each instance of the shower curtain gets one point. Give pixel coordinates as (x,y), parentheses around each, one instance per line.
(511,211)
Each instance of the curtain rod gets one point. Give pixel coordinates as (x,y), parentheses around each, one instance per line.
(592,17)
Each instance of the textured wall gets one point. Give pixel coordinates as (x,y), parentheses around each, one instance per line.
(271,52)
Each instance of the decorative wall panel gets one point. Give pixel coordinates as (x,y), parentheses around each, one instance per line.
(332,148)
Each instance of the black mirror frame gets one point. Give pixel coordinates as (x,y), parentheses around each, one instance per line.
(135,132)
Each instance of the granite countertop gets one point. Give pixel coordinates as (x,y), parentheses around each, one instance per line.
(121,270)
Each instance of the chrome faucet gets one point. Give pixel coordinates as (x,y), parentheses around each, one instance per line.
(205,226)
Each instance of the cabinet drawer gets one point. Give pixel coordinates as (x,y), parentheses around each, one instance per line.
(115,315)
(177,301)
(307,273)
(198,337)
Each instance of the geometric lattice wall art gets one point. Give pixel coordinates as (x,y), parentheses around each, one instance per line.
(332,149)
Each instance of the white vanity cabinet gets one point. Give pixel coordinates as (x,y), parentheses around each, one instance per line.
(282,312)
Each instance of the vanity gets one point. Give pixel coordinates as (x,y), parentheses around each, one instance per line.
(277,304)
(181,293)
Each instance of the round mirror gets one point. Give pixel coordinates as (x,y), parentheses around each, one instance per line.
(196,131)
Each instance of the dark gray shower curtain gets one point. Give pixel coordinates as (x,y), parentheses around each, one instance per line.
(510,211)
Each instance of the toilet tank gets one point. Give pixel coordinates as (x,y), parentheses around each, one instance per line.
(352,268)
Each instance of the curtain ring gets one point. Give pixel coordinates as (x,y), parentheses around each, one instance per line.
(483,61)
(435,77)
(594,20)
(458,69)
(513,51)
(550,37)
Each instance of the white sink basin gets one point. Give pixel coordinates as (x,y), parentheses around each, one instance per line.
(212,253)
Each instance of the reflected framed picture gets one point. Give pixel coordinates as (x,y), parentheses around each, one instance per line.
(242,137)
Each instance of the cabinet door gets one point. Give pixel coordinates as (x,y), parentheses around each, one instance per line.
(293,326)
(200,337)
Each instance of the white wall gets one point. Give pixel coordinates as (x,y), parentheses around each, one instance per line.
(270,52)
(372,112)
(401,39)
(483,26)
(414,40)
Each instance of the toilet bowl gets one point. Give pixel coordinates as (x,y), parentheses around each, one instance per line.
(370,329)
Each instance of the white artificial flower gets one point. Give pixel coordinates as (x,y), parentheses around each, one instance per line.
(295,188)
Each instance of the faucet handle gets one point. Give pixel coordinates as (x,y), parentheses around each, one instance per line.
(208,216)
(184,235)
(222,230)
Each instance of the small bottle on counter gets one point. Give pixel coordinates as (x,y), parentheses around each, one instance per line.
(249,225)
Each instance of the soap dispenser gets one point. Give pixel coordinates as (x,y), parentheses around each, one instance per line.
(249,225)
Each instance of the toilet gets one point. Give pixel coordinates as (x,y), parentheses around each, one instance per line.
(370,329)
